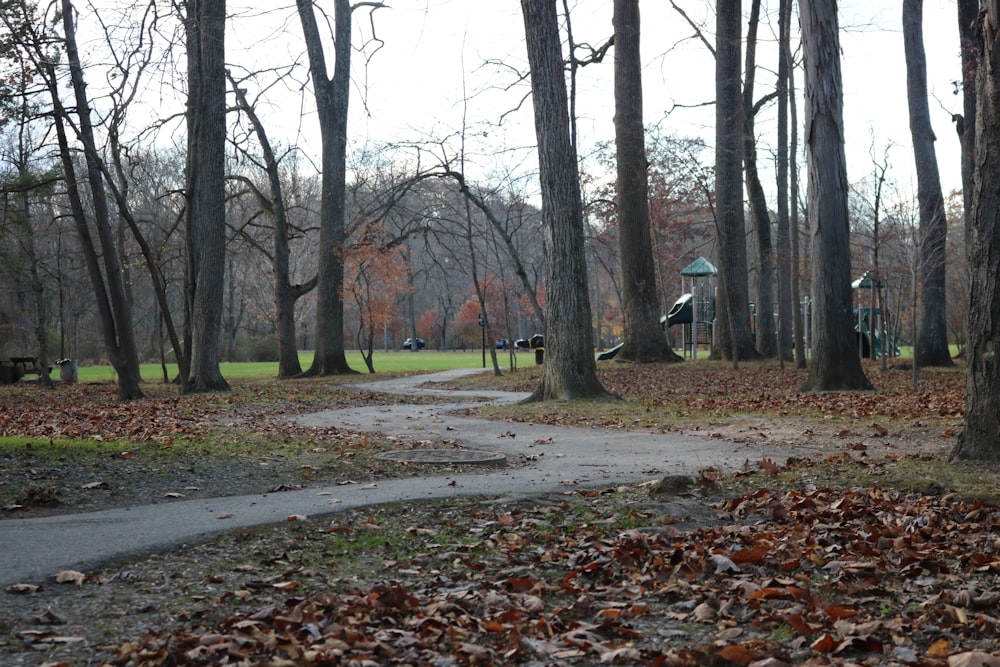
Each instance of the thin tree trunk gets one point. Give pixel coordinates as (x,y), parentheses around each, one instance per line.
(932,346)
(786,313)
(759,216)
(798,325)
(285,294)
(116,317)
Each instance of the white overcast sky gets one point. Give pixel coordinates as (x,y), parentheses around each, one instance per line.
(435,54)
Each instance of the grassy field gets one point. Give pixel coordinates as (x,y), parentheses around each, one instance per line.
(393,361)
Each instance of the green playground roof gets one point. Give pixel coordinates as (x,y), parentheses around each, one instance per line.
(699,267)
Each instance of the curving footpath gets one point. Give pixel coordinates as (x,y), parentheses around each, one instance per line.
(551,458)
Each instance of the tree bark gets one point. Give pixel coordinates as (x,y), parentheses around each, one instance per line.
(835,364)
(733,338)
(206,211)
(285,293)
(570,371)
(644,336)
(766,339)
(932,342)
(786,313)
(116,318)
(980,437)
(332,104)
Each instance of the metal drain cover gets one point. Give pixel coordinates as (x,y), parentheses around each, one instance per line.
(446,456)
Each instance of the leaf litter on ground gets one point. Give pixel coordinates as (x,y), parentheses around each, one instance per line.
(839,560)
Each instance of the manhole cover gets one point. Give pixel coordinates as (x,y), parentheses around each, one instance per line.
(446,456)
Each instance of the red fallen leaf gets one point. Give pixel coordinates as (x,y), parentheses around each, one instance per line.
(838,611)
(738,653)
(769,594)
(800,625)
(825,643)
(769,467)
(754,554)
(493,626)
(521,584)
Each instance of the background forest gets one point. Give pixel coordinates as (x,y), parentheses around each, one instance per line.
(436,231)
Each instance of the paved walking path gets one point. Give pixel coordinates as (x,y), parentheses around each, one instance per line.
(555,459)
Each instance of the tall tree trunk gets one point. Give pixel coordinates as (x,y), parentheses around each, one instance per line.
(285,293)
(206,212)
(116,318)
(786,313)
(980,437)
(644,336)
(798,323)
(332,104)
(932,342)
(759,216)
(968,11)
(733,337)
(570,370)
(835,364)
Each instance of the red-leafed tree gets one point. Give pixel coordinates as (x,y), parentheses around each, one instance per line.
(379,280)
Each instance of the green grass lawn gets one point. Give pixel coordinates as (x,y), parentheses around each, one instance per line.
(393,361)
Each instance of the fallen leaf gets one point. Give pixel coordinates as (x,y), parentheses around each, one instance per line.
(973,659)
(23,589)
(69,577)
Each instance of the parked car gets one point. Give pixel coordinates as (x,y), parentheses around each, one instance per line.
(408,344)
(503,344)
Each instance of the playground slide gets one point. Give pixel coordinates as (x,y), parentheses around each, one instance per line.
(682,312)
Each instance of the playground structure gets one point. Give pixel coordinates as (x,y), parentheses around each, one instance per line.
(694,311)
(871,323)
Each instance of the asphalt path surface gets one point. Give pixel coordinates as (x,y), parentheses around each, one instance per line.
(548,459)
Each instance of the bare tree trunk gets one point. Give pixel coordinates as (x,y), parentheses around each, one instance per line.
(798,325)
(332,104)
(644,337)
(570,370)
(968,11)
(733,338)
(760,217)
(206,211)
(786,313)
(116,318)
(980,437)
(285,293)
(835,364)
(932,346)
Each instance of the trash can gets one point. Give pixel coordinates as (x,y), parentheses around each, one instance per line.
(67,370)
